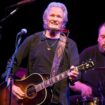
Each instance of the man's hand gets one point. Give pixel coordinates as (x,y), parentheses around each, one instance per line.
(73,74)
(85,90)
(16,90)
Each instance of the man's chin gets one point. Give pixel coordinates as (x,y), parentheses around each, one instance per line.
(102,49)
(53,28)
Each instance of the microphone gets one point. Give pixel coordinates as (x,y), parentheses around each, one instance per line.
(19,35)
(22,32)
(21,3)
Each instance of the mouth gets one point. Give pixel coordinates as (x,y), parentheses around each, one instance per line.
(103,45)
(56,23)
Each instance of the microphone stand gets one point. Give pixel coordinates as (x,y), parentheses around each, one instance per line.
(9,70)
(11,13)
(5,18)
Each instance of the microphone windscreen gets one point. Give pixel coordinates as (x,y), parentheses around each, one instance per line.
(24,30)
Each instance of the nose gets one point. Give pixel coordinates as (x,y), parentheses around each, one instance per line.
(103,41)
(55,18)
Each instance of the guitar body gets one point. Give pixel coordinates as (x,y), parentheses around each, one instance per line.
(32,97)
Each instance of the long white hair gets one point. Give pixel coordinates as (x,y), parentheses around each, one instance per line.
(56,4)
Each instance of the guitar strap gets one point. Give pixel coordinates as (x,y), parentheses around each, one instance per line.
(58,55)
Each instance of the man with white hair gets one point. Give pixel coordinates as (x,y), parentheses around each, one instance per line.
(40,48)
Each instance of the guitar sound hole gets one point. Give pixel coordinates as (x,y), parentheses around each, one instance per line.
(30,91)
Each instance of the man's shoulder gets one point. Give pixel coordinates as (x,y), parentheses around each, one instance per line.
(37,33)
(71,41)
(91,48)
(35,36)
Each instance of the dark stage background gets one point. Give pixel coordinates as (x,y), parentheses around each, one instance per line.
(84,18)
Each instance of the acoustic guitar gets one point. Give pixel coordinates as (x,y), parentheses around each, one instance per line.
(37,87)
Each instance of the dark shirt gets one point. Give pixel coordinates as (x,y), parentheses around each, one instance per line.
(39,60)
(94,77)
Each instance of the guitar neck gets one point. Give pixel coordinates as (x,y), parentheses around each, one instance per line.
(51,81)
(62,76)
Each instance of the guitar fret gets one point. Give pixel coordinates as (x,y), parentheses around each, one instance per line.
(59,77)
(46,83)
(43,85)
(38,87)
(53,79)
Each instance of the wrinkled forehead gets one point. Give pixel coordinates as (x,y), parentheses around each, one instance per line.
(102,31)
(55,9)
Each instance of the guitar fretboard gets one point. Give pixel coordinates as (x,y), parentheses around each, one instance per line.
(51,81)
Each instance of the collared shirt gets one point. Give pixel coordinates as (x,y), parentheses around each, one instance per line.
(40,59)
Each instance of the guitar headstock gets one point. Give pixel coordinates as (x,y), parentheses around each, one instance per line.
(86,65)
